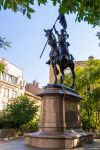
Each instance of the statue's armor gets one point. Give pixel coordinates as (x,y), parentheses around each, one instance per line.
(62,44)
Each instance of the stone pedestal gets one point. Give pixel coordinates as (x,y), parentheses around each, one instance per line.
(60,125)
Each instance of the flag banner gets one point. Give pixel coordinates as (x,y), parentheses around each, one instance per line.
(62,20)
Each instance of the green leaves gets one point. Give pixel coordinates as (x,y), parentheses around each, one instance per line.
(87,84)
(29,15)
(17,5)
(85,10)
(14,6)
(30,10)
(19,112)
(2,67)
(42,2)
(4,44)
(56,1)
(5,4)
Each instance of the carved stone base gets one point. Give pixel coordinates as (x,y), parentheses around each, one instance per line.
(60,125)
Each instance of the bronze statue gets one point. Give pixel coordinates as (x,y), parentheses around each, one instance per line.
(59,54)
(62,44)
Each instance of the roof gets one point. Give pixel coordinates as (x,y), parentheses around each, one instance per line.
(32,95)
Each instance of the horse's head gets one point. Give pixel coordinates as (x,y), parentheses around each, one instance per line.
(48,32)
(51,38)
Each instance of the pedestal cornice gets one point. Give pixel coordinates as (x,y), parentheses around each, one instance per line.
(56,89)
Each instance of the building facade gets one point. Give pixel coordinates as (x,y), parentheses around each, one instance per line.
(33,88)
(11,83)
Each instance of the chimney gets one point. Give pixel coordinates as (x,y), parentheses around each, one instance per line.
(37,84)
(34,83)
(91,58)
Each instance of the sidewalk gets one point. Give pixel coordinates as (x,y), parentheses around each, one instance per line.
(19,145)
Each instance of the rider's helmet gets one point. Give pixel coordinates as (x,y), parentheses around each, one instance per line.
(63,31)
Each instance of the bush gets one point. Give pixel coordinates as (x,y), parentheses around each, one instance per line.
(19,112)
(31,126)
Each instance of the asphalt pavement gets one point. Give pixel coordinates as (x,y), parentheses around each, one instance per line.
(19,145)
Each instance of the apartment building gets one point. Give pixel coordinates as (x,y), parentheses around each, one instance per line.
(11,83)
(33,88)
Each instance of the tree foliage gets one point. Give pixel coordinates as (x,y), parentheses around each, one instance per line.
(19,112)
(2,66)
(31,126)
(87,10)
(88,86)
(3,43)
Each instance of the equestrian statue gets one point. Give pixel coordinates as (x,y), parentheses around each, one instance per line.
(59,54)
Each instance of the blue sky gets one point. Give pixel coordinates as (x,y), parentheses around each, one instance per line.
(27,39)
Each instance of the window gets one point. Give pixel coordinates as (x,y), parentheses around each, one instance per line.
(6,92)
(14,80)
(21,85)
(4,76)
(9,78)
(14,94)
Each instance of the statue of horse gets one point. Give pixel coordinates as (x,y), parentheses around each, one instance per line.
(56,58)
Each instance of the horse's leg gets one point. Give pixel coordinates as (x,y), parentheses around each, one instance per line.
(55,71)
(62,74)
(73,75)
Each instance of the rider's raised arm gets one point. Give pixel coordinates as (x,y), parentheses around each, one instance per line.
(55,30)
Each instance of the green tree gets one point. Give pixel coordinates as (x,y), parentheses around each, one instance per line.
(19,112)
(88,85)
(2,66)
(87,10)
(3,45)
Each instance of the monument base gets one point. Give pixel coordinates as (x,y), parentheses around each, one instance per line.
(67,140)
(60,125)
